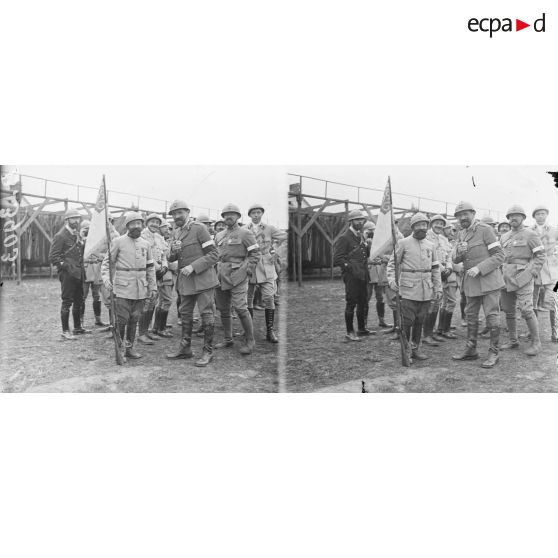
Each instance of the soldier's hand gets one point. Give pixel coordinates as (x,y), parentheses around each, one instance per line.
(473,272)
(108,284)
(393,286)
(186,271)
(176,245)
(153,295)
(438,296)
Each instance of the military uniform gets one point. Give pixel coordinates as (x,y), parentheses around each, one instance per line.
(92,281)
(419,281)
(351,255)
(377,272)
(198,251)
(133,281)
(238,258)
(485,253)
(66,254)
(524,259)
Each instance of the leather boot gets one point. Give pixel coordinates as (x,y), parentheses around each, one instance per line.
(349,318)
(144,320)
(185,347)
(493,357)
(269,320)
(249,343)
(132,353)
(150,333)
(448,334)
(162,329)
(535,346)
(381,310)
(416,354)
(513,343)
(427,330)
(227,331)
(470,352)
(65,319)
(553,327)
(207,354)
(441,322)
(393,328)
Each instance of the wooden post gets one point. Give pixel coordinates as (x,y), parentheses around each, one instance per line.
(299,236)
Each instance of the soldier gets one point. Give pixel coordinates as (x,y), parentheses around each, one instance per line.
(451,290)
(196,254)
(487,219)
(525,256)
(442,250)
(377,272)
(419,281)
(162,276)
(66,253)
(203,218)
(104,292)
(503,228)
(93,279)
(219,226)
(351,255)
(548,275)
(165,286)
(238,257)
(265,274)
(133,281)
(479,250)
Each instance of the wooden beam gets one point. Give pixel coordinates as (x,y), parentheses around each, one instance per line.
(40,227)
(87,208)
(32,217)
(314,217)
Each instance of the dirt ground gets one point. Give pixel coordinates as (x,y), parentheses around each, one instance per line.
(319,359)
(34,359)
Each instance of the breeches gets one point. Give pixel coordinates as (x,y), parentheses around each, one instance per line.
(550,297)
(164,297)
(490,303)
(204,300)
(95,290)
(72,291)
(522,299)
(268,290)
(413,311)
(378,289)
(449,297)
(233,298)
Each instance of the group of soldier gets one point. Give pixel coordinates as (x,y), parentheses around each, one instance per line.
(209,266)
(494,266)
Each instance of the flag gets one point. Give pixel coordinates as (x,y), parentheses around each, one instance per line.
(96,242)
(382,242)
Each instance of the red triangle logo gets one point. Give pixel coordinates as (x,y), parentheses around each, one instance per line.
(519,25)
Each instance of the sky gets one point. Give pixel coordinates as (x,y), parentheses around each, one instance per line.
(497,187)
(203,187)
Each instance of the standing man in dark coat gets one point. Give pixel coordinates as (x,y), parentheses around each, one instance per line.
(351,255)
(66,254)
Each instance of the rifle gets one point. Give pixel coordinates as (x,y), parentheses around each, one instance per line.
(404,342)
(113,321)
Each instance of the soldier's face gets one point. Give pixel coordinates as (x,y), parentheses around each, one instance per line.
(73,223)
(540,217)
(358,224)
(220,227)
(135,228)
(230,218)
(180,216)
(419,230)
(504,228)
(84,232)
(449,233)
(465,218)
(515,220)
(438,226)
(256,215)
(153,225)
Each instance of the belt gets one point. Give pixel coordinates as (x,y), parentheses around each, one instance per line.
(416,270)
(233,260)
(517,261)
(120,268)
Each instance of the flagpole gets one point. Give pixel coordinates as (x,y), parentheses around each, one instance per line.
(405,358)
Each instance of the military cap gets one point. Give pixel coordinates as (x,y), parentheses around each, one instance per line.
(153,216)
(72,213)
(488,220)
(369,225)
(203,218)
(132,216)
(503,223)
(418,218)
(85,224)
(438,218)
(255,206)
(515,209)
(231,208)
(540,208)
(356,214)
(178,204)
(463,206)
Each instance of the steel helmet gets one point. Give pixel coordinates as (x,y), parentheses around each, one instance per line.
(463,206)
(438,218)
(369,225)
(72,213)
(178,204)
(356,214)
(515,209)
(217,222)
(132,216)
(255,206)
(85,224)
(488,220)
(503,223)
(203,218)
(163,224)
(153,216)
(417,218)
(231,208)
(540,208)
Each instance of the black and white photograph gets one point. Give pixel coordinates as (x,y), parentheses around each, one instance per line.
(184,298)
(423,279)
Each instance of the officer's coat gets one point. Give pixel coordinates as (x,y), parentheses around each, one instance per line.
(265,236)
(483,251)
(419,277)
(443,250)
(548,274)
(159,249)
(351,255)
(66,252)
(133,268)
(238,255)
(524,257)
(198,250)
